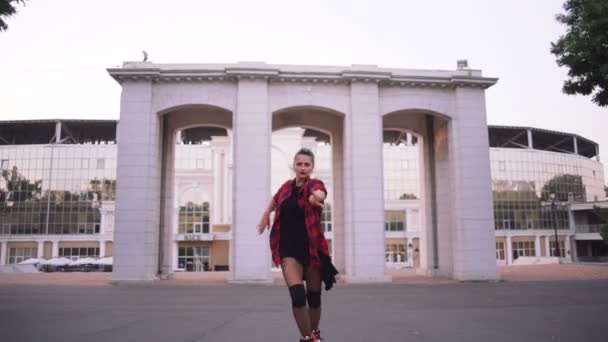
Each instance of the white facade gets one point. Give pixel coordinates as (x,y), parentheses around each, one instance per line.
(351,104)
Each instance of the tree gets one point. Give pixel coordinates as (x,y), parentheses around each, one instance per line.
(408,196)
(19,188)
(564,186)
(603,214)
(584,48)
(7,9)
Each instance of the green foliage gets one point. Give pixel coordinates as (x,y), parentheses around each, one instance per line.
(408,196)
(562,185)
(584,48)
(19,188)
(603,214)
(7,9)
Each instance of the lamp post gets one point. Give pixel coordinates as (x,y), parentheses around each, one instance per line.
(553,205)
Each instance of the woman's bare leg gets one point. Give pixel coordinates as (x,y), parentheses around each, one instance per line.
(292,273)
(313,287)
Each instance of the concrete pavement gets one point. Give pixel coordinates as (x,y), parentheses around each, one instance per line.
(570,311)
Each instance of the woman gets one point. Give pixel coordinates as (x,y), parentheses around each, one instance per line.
(298,244)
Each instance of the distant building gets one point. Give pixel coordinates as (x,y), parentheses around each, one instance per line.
(58,191)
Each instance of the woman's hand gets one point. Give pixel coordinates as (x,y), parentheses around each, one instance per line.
(313,199)
(264,223)
(319,195)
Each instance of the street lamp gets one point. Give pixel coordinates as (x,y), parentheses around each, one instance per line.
(553,205)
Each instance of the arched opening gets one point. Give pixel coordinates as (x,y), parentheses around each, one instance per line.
(320,130)
(416,181)
(402,196)
(197,190)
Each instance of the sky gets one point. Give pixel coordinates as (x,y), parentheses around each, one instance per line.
(54,56)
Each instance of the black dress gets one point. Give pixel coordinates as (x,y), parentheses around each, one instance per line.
(294,238)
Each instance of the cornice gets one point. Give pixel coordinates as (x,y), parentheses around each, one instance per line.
(446,80)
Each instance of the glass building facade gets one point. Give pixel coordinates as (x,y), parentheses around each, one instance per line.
(525,183)
(55,188)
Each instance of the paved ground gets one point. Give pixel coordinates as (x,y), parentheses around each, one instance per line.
(90,309)
(404,276)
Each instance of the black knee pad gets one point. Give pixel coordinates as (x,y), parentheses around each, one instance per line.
(314,299)
(298,295)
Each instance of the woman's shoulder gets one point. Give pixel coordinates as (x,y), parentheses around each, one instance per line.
(315,181)
(285,184)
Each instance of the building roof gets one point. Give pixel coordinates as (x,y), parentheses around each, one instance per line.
(541,139)
(26,132)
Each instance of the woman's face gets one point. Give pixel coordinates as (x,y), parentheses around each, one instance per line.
(303,166)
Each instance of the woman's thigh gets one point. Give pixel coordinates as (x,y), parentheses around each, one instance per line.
(293,271)
(313,279)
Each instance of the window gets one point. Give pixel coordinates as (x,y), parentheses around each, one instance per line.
(523,248)
(75,253)
(500,251)
(395,252)
(4,164)
(502,165)
(101,163)
(326,218)
(562,251)
(194,218)
(194,259)
(394,220)
(19,254)
(400,166)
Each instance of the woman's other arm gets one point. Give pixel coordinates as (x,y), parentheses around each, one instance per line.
(265,221)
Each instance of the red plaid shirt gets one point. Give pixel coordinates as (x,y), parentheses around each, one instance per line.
(312,218)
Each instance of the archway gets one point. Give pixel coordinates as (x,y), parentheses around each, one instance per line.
(320,129)
(195,233)
(431,235)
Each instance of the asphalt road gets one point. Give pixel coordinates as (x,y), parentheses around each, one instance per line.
(507,311)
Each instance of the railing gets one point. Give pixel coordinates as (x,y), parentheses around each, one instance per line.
(589,228)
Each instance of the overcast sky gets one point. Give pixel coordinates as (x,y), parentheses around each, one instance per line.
(54,55)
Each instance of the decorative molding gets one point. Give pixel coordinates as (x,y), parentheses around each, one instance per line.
(143,72)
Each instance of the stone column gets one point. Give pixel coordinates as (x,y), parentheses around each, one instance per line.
(252,134)
(509,250)
(537,246)
(136,240)
(338,242)
(102,248)
(474,246)
(364,187)
(547,246)
(217,188)
(3,252)
(220,145)
(40,249)
(174,255)
(567,249)
(55,249)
